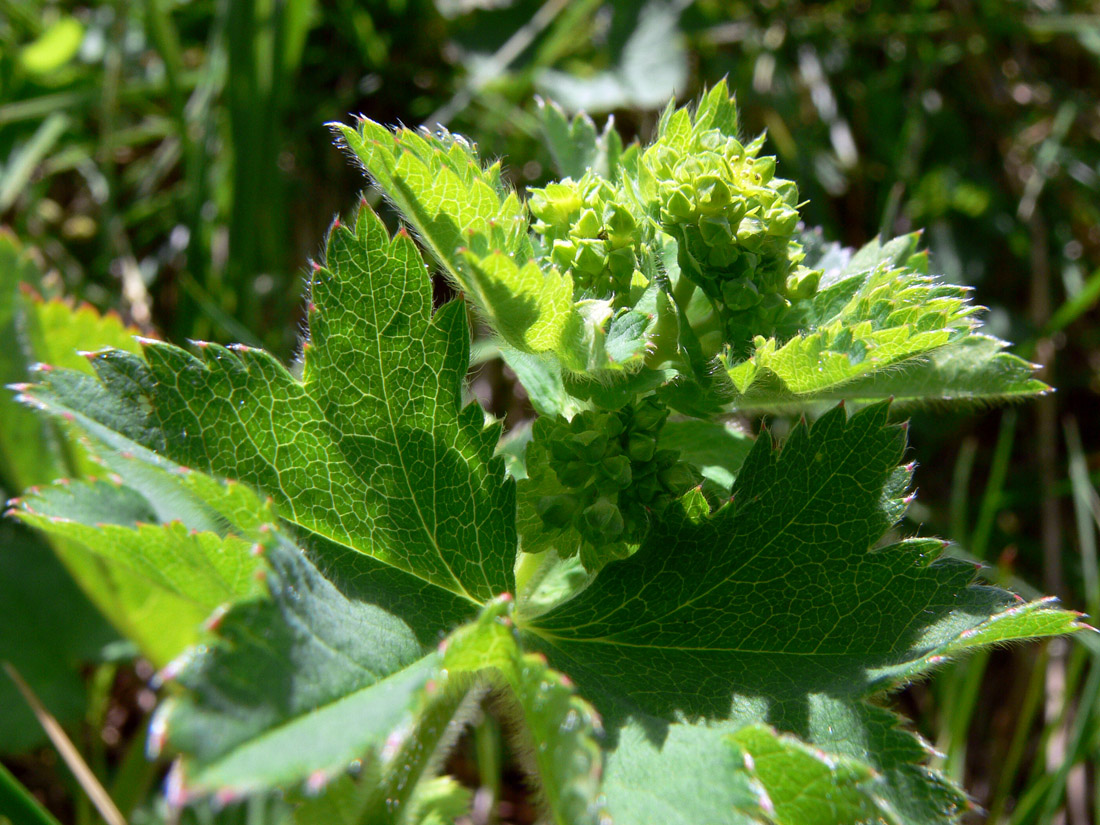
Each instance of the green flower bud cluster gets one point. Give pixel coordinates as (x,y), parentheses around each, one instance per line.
(588,233)
(615,472)
(734,221)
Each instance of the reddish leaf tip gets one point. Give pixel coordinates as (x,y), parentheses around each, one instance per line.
(158,735)
(214,620)
(227,796)
(174,792)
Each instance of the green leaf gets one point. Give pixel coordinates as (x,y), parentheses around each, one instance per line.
(303,684)
(806,786)
(399,784)
(576,145)
(33,451)
(781,607)
(878,327)
(440,801)
(49,332)
(716,449)
(371,449)
(862,325)
(553,729)
(527,307)
(206,568)
(18,802)
(26,455)
(976,369)
(324,674)
(173,544)
(542,379)
(473,226)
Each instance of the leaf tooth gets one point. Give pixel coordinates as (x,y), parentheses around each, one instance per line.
(224,797)
(214,620)
(158,733)
(176,794)
(317,782)
(171,671)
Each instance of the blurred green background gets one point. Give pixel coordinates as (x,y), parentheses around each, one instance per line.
(168,160)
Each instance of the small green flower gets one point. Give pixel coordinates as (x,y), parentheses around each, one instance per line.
(615,473)
(589,233)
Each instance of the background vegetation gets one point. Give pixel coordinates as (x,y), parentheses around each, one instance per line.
(167,160)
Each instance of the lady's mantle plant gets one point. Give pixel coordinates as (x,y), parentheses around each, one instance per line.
(728,611)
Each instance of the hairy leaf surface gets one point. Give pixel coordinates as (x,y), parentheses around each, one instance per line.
(781,606)
(370,449)
(474,227)
(878,327)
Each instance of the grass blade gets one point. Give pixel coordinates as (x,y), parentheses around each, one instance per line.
(18,172)
(68,751)
(17,804)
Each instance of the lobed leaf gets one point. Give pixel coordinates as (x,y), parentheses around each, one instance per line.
(576,145)
(778,607)
(878,327)
(473,226)
(805,785)
(370,449)
(300,685)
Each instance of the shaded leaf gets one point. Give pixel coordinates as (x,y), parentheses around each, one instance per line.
(779,607)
